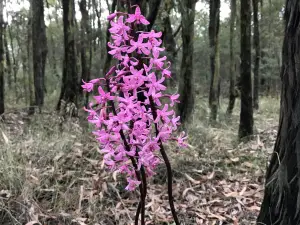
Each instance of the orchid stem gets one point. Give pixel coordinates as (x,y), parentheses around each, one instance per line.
(141,176)
(168,166)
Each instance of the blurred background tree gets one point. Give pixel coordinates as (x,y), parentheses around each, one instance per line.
(71,46)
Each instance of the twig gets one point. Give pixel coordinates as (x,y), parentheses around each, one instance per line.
(9,213)
(177,30)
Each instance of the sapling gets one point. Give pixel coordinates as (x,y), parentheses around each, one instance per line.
(131,129)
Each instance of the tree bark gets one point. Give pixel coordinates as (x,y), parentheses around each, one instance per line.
(28,67)
(186,84)
(256,42)
(15,64)
(1,59)
(281,202)
(214,24)
(98,15)
(108,56)
(85,34)
(169,42)
(8,61)
(246,115)
(70,86)
(39,50)
(232,88)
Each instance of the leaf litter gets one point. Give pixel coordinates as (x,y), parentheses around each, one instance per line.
(65,180)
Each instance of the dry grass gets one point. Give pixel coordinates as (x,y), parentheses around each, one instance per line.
(55,175)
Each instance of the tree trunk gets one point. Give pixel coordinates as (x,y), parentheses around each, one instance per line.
(28,67)
(70,87)
(281,202)
(186,84)
(256,42)
(85,34)
(232,88)
(246,115)
(1,59)
(214,24)
(8,61)
(108,56)
(15,66)
(98,15)
(169,42)
(39,50)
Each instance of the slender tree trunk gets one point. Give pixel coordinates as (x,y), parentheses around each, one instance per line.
(246,115)
(53,58)
(108,56)
(15,66)
(85,35)
(8,61)
(98,15)
(281,202)
(39,50)
(170,43)
(1,59)
(23,55)
(53,61)
(70,86)
(232,88)
(186,84)
(214,24)
(256,42)
(28,68)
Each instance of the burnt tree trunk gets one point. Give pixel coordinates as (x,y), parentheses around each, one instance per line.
(214,24)
(39,50)
(281,202)
(70,87)
(186,84)
(246,115)
(232,88)
(256,42)
(1,59)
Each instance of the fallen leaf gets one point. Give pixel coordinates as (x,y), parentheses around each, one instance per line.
(5,137)
(192,179)
(235,159)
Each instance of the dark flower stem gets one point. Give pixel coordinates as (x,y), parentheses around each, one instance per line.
(168,166)
(140,175)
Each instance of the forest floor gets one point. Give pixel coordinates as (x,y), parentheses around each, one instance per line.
(55,175)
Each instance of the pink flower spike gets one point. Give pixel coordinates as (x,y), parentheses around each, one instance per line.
(173,99)
(139,46)
(163,114)
(88,87)
(111,71)
(119,28)
(138,17)
(117,109)
(175,122)
(103,97)
(132,184)
(111,16)
(154,84)
(94,81)
(180,140)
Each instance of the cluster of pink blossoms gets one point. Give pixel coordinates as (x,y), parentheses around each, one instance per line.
(127,127)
